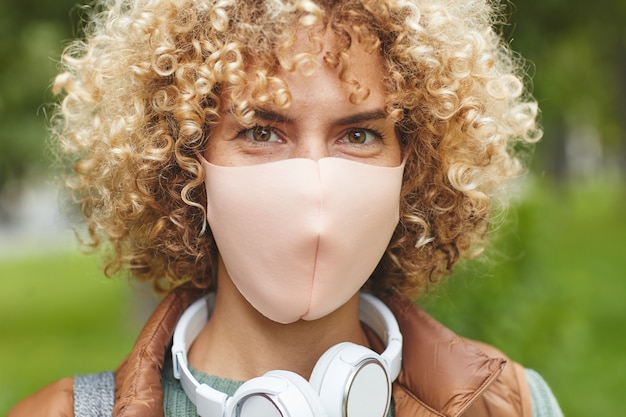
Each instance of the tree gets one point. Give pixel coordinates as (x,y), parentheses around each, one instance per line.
(31,39)
(578,50)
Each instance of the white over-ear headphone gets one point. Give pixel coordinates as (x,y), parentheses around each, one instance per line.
(348,380)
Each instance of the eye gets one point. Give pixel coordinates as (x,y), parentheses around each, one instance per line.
(261,134)
(360,136)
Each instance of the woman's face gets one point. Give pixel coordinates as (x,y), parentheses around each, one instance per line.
(320,122)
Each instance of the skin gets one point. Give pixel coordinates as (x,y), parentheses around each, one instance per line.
(238,342)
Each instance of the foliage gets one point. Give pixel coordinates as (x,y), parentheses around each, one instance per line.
(32,33)
(577,57)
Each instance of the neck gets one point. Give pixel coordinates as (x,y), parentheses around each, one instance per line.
(239,343)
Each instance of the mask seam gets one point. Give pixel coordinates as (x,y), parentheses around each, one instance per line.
(319,234)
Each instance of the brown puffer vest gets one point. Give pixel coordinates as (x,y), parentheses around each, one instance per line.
(442,374)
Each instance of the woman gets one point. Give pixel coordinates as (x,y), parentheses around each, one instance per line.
(284,157)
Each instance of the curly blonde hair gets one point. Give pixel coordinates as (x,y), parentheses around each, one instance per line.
(142,91)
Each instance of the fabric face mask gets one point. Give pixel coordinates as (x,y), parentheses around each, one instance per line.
(300,237)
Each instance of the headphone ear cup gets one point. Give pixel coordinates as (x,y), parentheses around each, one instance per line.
(276,394)
(352,381)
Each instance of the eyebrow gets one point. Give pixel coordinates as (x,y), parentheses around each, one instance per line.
(366,116)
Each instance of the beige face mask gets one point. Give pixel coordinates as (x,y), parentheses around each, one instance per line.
(300,237)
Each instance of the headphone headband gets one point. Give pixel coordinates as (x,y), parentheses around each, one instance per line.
(372,312)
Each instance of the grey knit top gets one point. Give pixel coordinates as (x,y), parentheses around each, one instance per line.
(94,394)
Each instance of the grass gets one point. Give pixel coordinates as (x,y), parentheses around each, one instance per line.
(551,296)
(59,317)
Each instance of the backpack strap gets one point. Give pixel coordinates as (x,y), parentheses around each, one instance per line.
(94,395)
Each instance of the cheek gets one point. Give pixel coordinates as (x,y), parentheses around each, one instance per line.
(219,154)
(395,152)
(211,153)
(216,151)
(395,158)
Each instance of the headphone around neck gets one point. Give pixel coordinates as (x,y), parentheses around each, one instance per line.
(348,380)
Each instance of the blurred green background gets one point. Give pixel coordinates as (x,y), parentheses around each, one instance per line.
(550,292)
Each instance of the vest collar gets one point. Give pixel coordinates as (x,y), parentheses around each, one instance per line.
(442,374)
